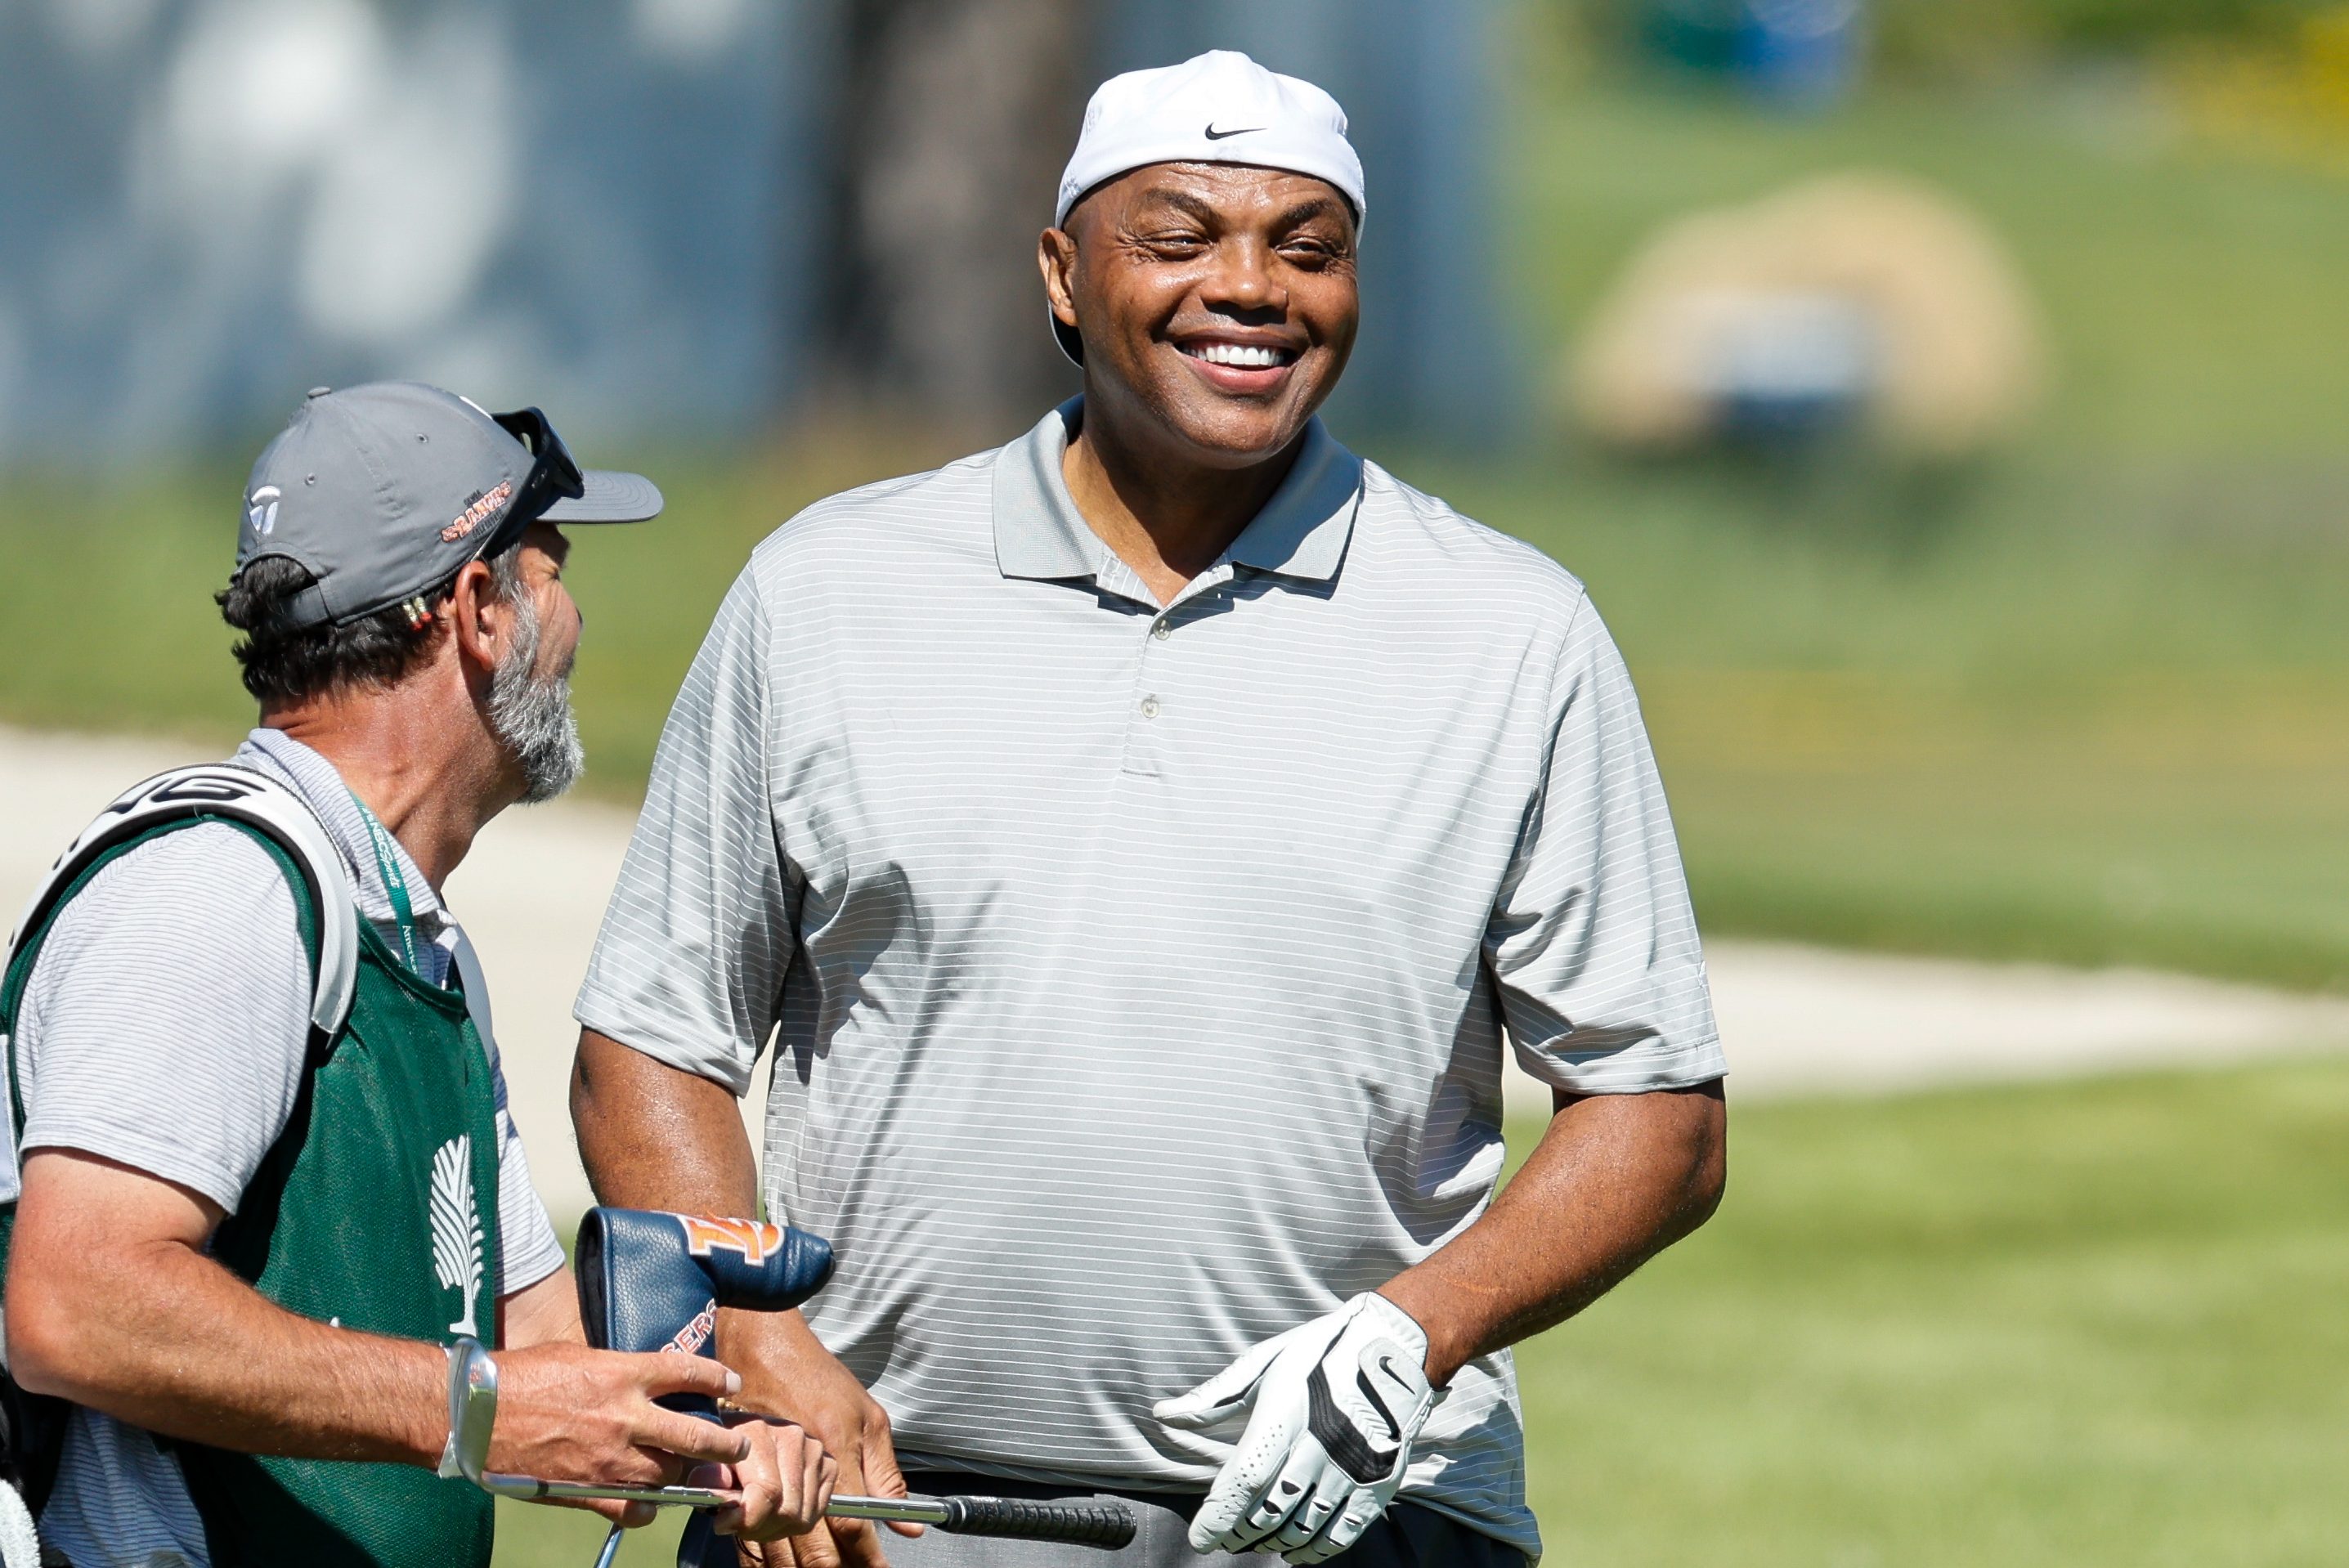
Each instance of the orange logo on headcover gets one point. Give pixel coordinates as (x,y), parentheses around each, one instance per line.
(479,512)
(754,1239)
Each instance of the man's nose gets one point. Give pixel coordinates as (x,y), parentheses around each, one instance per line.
(1244,278)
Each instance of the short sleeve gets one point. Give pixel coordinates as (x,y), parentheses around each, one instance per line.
(527,1249)
(688,966)
(1592,942)
(166,1020)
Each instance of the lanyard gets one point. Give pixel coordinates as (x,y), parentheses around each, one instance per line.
(387,861)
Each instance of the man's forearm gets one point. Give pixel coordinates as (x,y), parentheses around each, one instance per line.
(546,1313)
(165,1339)
(1615,1179)
(114,1304)
(653,1137)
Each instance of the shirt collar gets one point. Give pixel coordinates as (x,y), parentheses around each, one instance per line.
(312,777)
(1300,532)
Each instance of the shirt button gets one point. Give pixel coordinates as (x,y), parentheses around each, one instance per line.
(1159,630)
(1150,707)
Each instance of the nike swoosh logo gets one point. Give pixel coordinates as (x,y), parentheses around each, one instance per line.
(1394,1428)
(1214,135)
(1339,1438)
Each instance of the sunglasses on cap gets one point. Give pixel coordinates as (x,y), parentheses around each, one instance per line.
(554,475)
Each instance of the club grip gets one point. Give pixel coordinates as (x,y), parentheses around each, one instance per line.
(1109,1525)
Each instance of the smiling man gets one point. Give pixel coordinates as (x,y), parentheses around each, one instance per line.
(1143,842)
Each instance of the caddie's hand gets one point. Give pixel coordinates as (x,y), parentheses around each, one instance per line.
(787,1373)
(1330,1409)
(569,1413)
(786,1480)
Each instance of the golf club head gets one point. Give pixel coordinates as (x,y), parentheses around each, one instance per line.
(472,1410)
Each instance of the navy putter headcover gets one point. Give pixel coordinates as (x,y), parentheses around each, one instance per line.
(653,1281)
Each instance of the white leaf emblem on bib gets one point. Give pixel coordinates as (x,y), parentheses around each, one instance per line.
(456,1227)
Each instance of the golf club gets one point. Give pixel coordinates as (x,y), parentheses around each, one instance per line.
(473,1410)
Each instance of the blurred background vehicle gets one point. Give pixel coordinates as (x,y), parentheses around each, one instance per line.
(1944,402)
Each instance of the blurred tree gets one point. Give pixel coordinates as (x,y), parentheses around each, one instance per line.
(953,118)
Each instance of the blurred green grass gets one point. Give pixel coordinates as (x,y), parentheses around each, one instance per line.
(2079,1324)
(530,1536)
(2083,701)
(2084,1324)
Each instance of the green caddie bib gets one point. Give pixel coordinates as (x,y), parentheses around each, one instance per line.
(376,1209)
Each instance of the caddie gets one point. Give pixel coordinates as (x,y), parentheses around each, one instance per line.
(1143,842)
(267,1172)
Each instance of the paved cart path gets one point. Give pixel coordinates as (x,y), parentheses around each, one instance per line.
(1796,1020)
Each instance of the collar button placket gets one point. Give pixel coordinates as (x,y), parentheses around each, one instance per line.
(1146,703)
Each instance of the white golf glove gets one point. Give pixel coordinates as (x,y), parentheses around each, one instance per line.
(1332,1409)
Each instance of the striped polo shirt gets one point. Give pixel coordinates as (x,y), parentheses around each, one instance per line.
(1140,973)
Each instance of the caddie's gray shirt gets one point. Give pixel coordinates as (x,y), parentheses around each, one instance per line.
(1141,974)
(165,1024)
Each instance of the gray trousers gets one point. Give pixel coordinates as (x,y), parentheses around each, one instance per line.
(1406,1536)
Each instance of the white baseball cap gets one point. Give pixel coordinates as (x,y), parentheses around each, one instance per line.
(1216,108)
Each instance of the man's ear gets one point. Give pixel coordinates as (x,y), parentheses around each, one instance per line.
(483,622)
(1056,256)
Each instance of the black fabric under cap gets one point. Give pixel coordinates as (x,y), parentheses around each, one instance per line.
(382,492)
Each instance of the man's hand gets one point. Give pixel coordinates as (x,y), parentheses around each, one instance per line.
(1331,1409)
(787,1373)
(786,1483)
(547,1313)
(569,1413)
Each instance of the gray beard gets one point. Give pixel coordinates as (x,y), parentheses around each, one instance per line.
(531,715)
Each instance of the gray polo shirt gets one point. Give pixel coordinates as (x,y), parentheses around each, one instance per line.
(1139,976)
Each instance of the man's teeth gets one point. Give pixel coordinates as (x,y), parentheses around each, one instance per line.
(1244,357)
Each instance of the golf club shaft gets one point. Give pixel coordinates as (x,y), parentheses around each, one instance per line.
(531,1489)
(976,1515)
(1089,1525)
(898,1510)
(902,1510)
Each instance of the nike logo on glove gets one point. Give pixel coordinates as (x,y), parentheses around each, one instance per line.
(1214,135)
(1340,1439)
(1362,1381)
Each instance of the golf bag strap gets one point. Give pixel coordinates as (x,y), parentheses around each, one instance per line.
(30,1427)
(242,795)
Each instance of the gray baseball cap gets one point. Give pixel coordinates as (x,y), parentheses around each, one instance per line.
(382,492)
